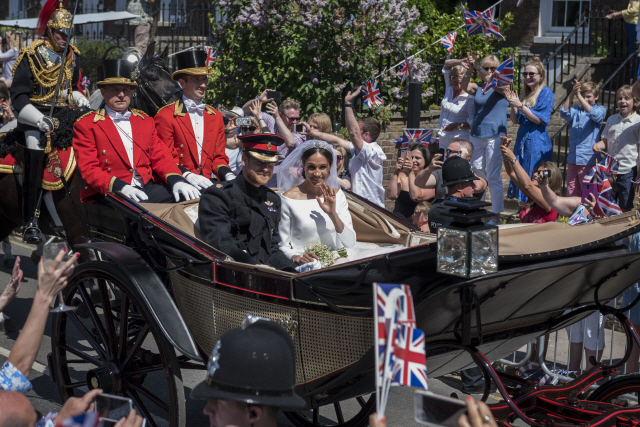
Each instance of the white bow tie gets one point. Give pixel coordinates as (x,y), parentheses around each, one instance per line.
(116,116)
(192,108)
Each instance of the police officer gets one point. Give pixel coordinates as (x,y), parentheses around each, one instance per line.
(241,217)
(250,375)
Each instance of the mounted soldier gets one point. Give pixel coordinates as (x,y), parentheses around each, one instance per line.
(36,83)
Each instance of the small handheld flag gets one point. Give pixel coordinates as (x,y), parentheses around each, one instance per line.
(419,136)
(472,22)
(502,76)
(371,93)
(448,41)
(85,81)
(605,203)
(211,55)
(489,26)
(404,70)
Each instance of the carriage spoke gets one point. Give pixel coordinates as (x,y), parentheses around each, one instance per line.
(145,370)
(80,354)
(108,316)
(361,401)
(141,406)
(93,314)
(316,415)
(339,415)
(138,342)
(155,399)
(87,335)
(76,385)
(124,326)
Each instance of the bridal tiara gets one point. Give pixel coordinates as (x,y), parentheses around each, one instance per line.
(317,144)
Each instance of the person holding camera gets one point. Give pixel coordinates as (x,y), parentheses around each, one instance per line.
(193,130)
(536,209)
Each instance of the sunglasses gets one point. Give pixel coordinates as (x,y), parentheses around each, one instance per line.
(339,157)
(489,68)
(529,74)
(251,128)
(450,152)
(293,119)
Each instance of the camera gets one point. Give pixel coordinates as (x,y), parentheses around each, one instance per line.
(298,128)
(272,94)
(243,121)
(545,173)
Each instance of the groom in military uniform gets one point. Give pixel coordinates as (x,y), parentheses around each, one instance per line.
(241,217)
(35,78)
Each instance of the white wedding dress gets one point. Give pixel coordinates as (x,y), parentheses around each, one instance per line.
(303,222)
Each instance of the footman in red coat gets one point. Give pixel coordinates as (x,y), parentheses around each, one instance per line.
(117,149)
(192,129)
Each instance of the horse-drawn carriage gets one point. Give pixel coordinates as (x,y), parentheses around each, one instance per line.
(158,298)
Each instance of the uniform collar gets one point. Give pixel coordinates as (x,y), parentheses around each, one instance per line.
(257,193)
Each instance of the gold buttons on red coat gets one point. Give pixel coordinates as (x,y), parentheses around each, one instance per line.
(130,170)
(181,145)
(109,170)
(104,152)
(181,155)
(106,161)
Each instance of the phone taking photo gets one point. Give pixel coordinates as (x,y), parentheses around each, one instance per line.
(589,188)
(298,128)
(441,152)
(112,408)
(431,409)
(272,94)
(504,141)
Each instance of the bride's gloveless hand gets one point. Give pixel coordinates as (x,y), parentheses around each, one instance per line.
(329,203)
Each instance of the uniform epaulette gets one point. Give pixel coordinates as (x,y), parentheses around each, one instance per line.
(139,113)
(210,109)
(166,106)
(28,50)
(75,49)
(84,115)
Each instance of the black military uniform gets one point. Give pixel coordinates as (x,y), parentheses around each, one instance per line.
(241,219)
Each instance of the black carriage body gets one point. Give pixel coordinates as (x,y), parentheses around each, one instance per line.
(328,312)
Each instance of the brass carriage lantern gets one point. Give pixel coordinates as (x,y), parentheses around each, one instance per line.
(467,247)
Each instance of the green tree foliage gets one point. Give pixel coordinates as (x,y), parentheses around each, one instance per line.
(91,52)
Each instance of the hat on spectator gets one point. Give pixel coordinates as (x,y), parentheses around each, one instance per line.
(262,146)
(192,62)
(254,364)
(233,113)
(456,170)
(117,72)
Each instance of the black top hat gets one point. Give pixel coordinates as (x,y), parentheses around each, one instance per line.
(191,62)
(117,71)
(256,364)
(262,146)
(455,170)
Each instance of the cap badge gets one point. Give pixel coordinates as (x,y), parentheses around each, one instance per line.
(269,146)
(213,364)
(268,203)
(219,185)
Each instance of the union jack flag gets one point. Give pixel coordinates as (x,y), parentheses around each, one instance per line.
(211,55)
(491,13)
(410,361)
(85,81)
(519,2)
(371,93)
(472,21)
(420,136)
(605,203)
(490,26)
(502,76)
(448,41)
(404,70)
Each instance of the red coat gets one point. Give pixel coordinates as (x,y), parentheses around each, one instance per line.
(174,129)
(103,161)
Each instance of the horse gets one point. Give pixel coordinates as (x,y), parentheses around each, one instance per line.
(155,90)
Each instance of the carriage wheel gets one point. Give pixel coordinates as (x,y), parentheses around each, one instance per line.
(346,413)
(112,342)
(623,391)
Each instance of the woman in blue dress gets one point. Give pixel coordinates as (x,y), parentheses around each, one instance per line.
(531,111)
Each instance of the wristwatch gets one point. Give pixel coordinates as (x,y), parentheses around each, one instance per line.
(348,104)
(513,161)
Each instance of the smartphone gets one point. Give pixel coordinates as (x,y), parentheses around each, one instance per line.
(441,151)
(112,408)
(431,409)
(272,94)
(298,128)
(243,121)
(404,154)
(589,188)
(504,141)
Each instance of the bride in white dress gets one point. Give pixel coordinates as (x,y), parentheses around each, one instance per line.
(313,209)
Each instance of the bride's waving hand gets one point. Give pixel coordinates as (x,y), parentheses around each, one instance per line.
(328,204)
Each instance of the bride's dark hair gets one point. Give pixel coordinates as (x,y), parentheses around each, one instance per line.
(311,151)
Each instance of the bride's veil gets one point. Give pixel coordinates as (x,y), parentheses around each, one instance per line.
(290,170)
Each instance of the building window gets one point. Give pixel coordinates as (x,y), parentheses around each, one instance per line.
(558,17)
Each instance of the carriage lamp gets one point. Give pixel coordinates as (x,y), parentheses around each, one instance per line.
(467,247)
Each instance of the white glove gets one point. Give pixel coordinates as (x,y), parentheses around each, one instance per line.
(79,99)
(230,176)
(44,126)
(136,194)
(197,181)
(30,115)
(187,190)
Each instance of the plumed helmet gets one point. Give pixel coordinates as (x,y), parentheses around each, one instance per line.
(254,364)
(54,16)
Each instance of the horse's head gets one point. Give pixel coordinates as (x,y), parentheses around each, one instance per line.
(155,86)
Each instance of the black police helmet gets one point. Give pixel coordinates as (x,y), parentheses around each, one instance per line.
(456,170)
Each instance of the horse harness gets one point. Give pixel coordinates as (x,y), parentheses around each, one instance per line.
(145,87)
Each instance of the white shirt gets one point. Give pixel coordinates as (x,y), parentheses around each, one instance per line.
(455,110)
(623,137)
(197,122)
(303,222)
(123,125)
(366,172)
(235,159)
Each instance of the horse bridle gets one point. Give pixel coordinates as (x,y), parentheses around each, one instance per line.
(145,87)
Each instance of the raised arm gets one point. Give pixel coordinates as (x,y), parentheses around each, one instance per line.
(521,179)
(565,206)
(352,123)
(328,137)
(424,178)
(395,183)
(420,194)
